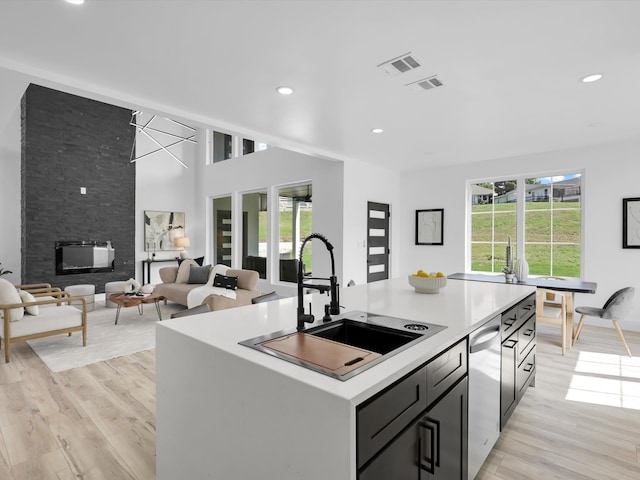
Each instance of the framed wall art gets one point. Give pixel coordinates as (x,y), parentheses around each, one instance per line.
(430,226)
(161,229)
(631,223)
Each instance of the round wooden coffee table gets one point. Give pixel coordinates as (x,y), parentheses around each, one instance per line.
(124,300)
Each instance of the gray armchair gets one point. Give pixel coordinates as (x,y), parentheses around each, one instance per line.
(614,309)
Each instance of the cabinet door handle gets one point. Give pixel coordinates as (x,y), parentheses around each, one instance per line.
(429,445)
(510,321)
(528,368)
(513,343)
(528,332)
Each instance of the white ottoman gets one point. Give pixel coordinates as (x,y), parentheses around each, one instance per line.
(110,288)
(86,291)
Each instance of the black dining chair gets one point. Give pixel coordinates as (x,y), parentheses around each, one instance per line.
(614,309)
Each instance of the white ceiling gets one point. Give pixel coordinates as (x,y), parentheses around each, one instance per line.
(511,70)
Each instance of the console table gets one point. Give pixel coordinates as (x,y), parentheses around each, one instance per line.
(148,263)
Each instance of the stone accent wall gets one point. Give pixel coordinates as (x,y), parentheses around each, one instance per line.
(69,142)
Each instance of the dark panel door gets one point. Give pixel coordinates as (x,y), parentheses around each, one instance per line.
(377,241)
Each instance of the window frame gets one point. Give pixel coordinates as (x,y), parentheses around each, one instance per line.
(520,215)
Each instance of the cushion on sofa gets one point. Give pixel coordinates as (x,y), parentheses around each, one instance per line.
(168,274)
(199,260)
(10,296)
(243,297)
(247,279)
(183,270)
(27,297)
(198,275)
(54,318)
(224,281)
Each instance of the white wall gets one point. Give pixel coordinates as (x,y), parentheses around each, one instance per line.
(267,170)
(366,183)
(10,200)
(162,184)
(611,173)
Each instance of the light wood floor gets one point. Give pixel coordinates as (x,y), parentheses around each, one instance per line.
(94,422)
(581,421)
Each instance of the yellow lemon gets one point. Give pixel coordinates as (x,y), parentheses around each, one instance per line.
(440,274)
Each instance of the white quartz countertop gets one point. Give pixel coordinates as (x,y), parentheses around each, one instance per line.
(461,306)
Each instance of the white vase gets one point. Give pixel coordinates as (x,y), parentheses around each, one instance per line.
(522,269)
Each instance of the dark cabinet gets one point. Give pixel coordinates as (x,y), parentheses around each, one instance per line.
(508,391)
(518,355)
(432,444)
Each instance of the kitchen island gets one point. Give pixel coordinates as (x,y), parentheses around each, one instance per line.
(226,411)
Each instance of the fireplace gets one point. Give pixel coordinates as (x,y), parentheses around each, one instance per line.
(84,257)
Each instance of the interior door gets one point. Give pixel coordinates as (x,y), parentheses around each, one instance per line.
(377,241)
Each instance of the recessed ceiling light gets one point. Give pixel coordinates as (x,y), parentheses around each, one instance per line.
(592,78)
(377,130)
(75,2)
(284,90)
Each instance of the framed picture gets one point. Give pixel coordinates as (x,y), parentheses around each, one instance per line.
(631,223)
(430,226)
(161,229)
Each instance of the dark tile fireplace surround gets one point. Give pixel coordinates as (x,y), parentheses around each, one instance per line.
(68,143)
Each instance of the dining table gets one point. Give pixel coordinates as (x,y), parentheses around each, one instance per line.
(570,286)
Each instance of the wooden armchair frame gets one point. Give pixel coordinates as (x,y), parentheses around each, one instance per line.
(54,296)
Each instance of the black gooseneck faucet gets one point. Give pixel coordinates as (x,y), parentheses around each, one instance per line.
(334,306)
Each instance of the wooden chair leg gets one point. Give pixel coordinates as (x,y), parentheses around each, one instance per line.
(563,328)
(570,328)
(619,330)
(578,329)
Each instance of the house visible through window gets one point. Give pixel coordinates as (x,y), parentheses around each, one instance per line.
(549,213)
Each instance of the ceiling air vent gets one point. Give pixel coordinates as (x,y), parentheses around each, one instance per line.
(426,83)
(403,63)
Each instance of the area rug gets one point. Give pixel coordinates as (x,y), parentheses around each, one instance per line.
(105,340)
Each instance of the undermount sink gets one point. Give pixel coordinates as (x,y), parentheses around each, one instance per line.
(374,338)
(344,347)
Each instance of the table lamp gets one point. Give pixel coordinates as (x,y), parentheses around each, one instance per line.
(181,243)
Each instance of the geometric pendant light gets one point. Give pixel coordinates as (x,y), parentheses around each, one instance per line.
(161,136)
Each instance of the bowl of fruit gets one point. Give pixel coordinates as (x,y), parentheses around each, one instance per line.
(424,282)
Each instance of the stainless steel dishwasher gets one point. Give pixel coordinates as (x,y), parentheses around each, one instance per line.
(484,393)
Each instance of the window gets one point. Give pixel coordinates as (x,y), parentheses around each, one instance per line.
(225,146)
(222,146)
(549,209)
(222,246)
(250,146)
(295,223)
(493,224)
(254,232)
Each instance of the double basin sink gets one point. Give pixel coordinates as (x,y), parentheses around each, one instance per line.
(346,346)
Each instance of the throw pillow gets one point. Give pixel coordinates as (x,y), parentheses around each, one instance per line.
(9,296)
(198,274)
(222,281)
(183,270)
(27,297)
(199,260)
